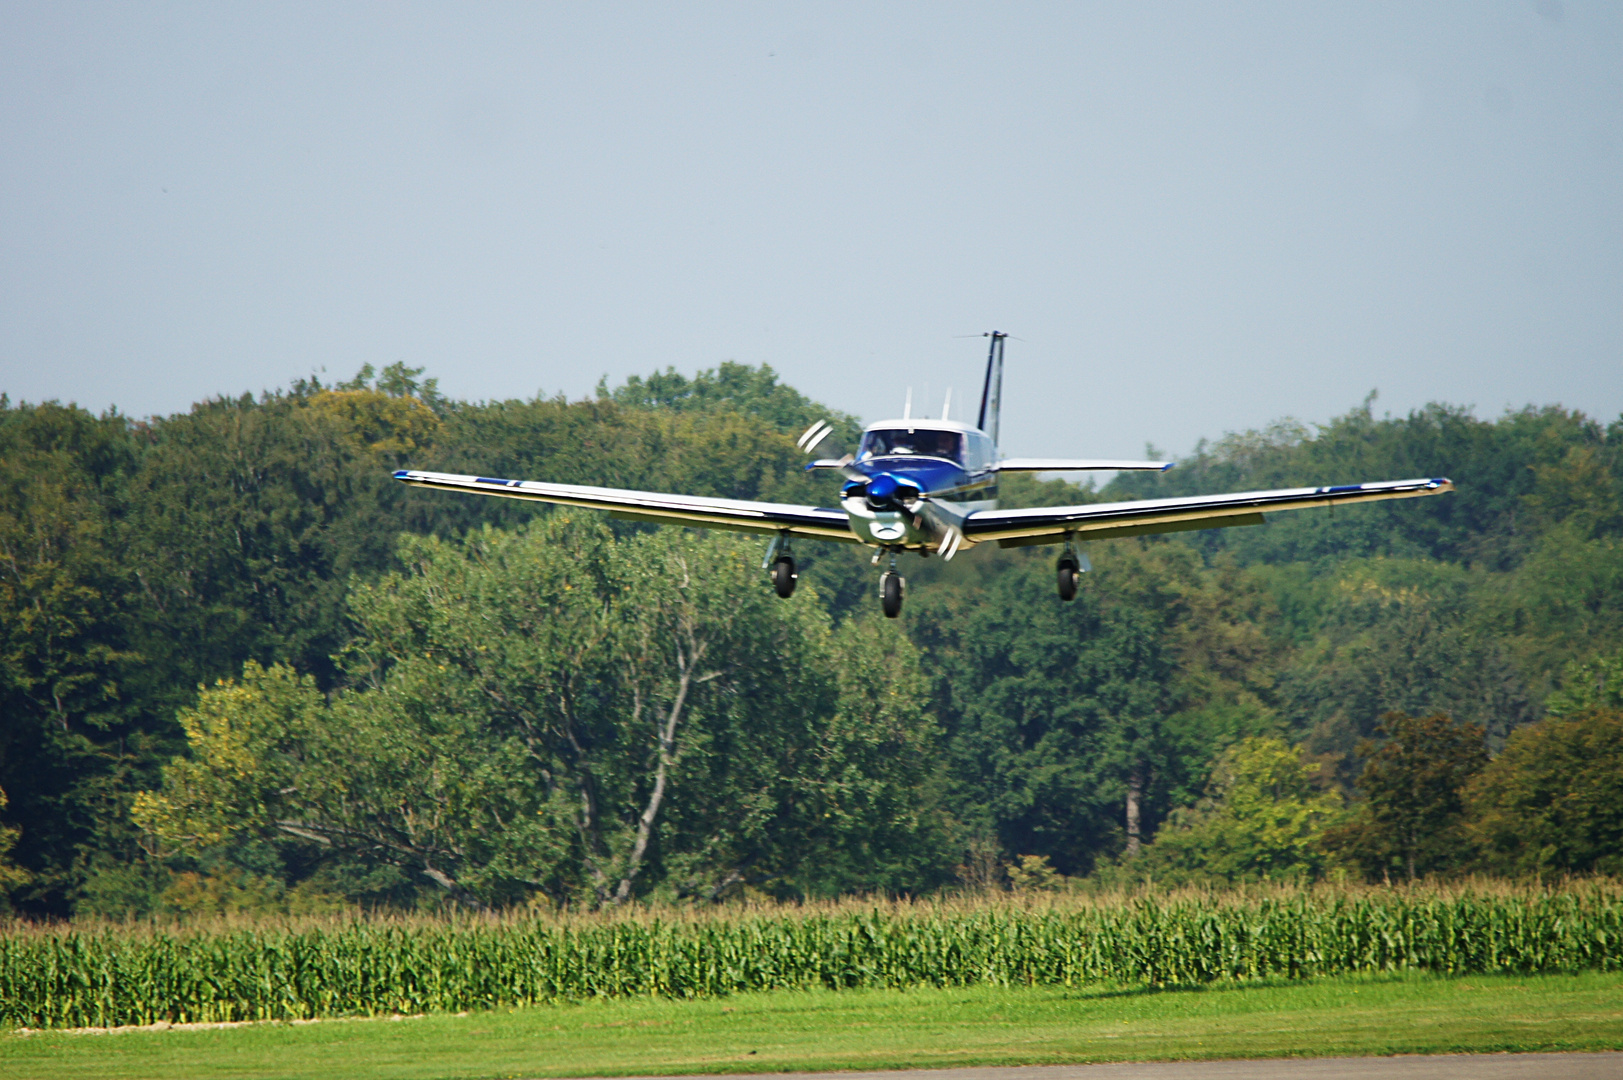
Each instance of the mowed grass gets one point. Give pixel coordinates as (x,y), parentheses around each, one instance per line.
(876,1029)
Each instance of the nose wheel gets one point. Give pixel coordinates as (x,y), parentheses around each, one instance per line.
(891,585)
(890,593)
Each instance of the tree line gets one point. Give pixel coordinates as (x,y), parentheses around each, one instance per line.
(241,667)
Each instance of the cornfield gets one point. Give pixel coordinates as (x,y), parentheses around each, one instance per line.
(65,976)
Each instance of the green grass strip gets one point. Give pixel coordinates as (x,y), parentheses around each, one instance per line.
(876,1029)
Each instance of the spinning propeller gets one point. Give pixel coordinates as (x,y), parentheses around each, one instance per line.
(813,437)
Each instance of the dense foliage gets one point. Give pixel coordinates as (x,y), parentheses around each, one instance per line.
(1415,779)
(109,977)
(561,713)
(241,669)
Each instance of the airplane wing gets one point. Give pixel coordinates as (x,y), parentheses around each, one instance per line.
(1067,465)
(818,522)
(1051,525)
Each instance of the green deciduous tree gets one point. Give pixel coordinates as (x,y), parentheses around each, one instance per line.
(1552,801)
(860,803)
(1597,684)
(735,388)
(11,875)
(1564,602)
(1516,476)
(140,559)
(1399,635)
(73,725)
(562,712)
(1411,819)
(1049,708)
(1074,728)
(247,519)
(1260,821)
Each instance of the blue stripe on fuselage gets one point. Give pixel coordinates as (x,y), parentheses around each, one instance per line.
(931,474)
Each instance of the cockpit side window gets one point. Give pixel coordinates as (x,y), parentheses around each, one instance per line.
(980,452)
(887,442)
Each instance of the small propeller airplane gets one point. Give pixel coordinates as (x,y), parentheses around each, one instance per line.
(931,486)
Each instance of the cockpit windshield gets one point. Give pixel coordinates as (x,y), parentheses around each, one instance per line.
(920,443)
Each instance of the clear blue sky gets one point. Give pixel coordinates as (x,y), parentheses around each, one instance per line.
(1199,217)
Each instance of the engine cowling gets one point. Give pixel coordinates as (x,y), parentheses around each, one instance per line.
(887,491)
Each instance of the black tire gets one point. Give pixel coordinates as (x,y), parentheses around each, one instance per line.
(784,576)
(890,594)
(1068,573)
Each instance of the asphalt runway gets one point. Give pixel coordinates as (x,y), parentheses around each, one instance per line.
(1605,1066)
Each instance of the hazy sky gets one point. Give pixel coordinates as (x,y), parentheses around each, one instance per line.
(1197,217)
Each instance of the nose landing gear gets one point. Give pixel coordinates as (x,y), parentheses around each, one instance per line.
(890,594)
(891,587)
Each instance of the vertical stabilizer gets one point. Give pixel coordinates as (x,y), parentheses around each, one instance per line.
(992,395)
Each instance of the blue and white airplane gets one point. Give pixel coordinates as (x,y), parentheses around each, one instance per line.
(931,486)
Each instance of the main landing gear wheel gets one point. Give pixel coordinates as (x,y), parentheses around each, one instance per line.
(784,576)
(890,593)
(1068,573)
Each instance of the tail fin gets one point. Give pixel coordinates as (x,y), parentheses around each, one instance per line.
(992,395)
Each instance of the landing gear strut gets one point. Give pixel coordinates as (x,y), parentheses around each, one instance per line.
(1072,565)
(780,564)
(891,585)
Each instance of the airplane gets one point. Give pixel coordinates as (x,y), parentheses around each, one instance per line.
(930,486)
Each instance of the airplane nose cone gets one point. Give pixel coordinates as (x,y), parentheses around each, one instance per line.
(882,488)
(888,492)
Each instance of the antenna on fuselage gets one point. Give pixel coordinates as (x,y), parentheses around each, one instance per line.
(946,406)
(992,393)
(907,408)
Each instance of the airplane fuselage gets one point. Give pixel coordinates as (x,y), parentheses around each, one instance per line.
(904,460)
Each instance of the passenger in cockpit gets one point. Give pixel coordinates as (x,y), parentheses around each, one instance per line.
(887,442)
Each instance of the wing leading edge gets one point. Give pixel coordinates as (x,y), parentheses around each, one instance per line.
(822,523)
(1052,525)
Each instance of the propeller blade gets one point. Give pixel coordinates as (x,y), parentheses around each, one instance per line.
(814,435)
(843,464)
(942,523)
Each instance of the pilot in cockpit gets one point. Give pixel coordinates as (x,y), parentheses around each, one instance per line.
(917,443)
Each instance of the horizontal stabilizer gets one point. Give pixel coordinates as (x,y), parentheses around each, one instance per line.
(1078,465)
